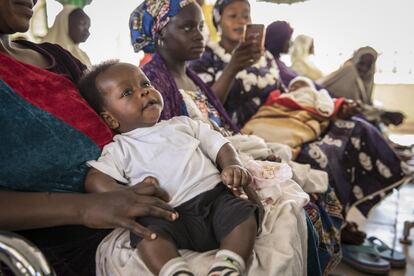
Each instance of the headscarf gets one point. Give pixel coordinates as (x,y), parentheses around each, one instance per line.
(277,34)
(300,58)
(59,34)
(149,18)
(364,51)
(346,82)
(218,11)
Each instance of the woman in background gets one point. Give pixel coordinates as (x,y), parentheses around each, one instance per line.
(240,74)
(355,80)
(302,48)
(71,27)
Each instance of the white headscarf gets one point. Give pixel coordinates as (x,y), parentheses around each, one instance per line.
(346,82)
(59,34)
(300,57)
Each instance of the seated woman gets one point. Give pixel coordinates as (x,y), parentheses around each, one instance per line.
(48,133)
(328,152)
(355,80)
(302,48)
(71,27)
(237,72)
(186,94)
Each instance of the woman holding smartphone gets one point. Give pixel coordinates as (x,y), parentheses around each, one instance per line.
(237,69)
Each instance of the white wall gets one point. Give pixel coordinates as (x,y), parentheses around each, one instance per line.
(397,97)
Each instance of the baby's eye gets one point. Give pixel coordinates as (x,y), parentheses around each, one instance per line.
(146,84)
(187,28)
(127,92)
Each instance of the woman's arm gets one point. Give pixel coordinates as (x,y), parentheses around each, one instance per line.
(244,55)
(21,210)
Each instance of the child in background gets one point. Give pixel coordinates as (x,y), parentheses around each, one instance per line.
(181,155)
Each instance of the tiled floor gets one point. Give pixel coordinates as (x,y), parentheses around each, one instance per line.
(386,221)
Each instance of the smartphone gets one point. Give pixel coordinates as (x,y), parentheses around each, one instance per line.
(256,32)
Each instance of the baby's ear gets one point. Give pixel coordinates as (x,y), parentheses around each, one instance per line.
(110,120)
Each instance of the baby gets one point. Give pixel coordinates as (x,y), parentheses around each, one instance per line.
(183,156)
(303,91)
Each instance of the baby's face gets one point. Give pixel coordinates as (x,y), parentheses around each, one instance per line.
(297,85)
(129,98)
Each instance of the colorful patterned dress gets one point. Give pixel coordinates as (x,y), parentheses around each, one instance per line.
(250,87)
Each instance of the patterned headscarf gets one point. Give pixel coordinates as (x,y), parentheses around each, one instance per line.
(219,8)
(277,34)
(149,18)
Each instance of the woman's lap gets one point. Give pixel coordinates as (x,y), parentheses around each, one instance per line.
(357,159)
(278,250)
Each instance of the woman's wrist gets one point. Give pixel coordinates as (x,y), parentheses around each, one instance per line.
(231,70)
(69,207)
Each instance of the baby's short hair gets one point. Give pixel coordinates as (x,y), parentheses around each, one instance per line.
(87,85)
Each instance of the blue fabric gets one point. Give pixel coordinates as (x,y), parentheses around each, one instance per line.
(149,18)
(313,265)
(358,160)
(38,151)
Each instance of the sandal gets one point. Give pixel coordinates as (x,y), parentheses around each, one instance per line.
(396,258)
(365,258)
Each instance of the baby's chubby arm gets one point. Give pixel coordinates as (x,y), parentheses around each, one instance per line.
(98,182)
(233,173)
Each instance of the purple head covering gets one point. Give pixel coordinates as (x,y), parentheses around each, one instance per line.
(219,8)
(277,34)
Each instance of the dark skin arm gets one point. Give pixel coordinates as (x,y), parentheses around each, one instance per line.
(348,109)
(243,56)
(102,210)
(234,174)
(98,182)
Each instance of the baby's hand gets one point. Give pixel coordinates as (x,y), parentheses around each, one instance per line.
(236,176)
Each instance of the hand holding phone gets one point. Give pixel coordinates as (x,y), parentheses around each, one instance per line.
(254,32)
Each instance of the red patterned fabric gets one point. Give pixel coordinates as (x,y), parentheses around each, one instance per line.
(274,98)
(56,95)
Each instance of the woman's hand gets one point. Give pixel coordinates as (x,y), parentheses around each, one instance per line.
(348,109)
(245,55)
(120,208)
(392,117)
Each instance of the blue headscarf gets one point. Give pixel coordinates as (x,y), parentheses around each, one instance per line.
(219,8)
(149,18)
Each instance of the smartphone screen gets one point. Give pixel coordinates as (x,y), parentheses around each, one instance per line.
(254,32)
